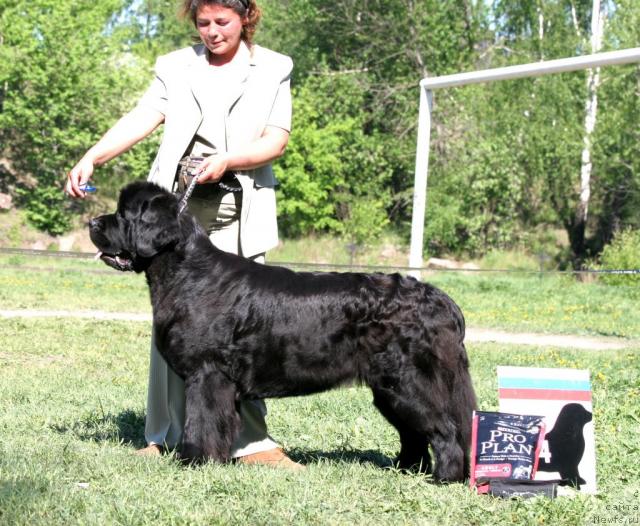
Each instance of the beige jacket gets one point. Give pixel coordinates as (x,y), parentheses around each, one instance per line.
(263,99)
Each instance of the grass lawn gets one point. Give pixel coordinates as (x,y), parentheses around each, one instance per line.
(72,398)
(72,410)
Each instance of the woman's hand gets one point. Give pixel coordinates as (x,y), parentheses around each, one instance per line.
(77,176)
(129,130)
(269,146)
(212,168)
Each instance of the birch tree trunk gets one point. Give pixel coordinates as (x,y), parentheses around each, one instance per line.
(540,30)
(598,17)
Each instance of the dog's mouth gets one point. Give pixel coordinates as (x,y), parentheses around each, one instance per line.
(119,261)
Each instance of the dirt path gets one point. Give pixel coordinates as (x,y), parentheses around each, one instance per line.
(590,343)
(473,335)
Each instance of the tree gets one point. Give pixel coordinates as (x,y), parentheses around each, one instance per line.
(556,142)
(616,142)
(508,159)
(64,80)
(383,48)
(578,228)
(333,175)
(156,28)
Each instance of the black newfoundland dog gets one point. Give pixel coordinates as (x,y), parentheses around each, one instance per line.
(236,330)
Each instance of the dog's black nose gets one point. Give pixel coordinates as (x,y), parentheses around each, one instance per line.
(95,223)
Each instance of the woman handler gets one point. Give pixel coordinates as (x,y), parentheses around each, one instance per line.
(226,100)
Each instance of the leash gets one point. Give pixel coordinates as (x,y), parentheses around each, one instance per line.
(188,178)
(187,194)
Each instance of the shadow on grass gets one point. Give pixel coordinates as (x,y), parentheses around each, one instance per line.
(126,427)
(20,497)
(352,456)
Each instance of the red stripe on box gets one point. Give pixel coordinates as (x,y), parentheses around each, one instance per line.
(545,394)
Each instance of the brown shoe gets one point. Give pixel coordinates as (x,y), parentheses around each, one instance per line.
(274,458)
(153,450)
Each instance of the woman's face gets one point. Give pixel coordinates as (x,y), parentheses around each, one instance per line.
(220,29)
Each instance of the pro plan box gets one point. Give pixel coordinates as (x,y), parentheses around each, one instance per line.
(505,446)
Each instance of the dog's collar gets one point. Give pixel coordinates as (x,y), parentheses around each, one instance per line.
(187,194)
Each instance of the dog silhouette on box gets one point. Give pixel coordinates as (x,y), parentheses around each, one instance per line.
(566,444)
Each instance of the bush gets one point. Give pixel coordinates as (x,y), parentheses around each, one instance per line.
(366,219)
(334,174)
(622,254)
(45,208)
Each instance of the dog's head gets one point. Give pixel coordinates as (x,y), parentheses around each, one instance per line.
(145,223)
(573,415)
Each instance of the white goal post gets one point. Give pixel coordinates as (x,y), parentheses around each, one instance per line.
(427,86)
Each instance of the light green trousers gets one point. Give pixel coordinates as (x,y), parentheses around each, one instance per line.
(165,400)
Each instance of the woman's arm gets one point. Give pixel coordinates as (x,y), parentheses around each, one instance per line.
(130,129)
(263,150)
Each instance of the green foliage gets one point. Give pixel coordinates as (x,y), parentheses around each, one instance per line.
(154,27)
(623,253)
(505,156)
(44,205)
(331,164)
(554,136)
(486,214)
(366,220)
(373,57)
(616,200)
(497,175)
(64,79)
(394,40)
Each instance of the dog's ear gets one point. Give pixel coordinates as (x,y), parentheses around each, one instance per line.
(157,225)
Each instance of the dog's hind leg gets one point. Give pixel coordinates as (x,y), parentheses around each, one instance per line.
(421,424)
(451,402)
(414,447)
(212,421)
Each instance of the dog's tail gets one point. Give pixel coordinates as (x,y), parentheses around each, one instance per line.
(464,403)
(464,398)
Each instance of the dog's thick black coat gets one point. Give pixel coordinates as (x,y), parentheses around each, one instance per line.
(235,330)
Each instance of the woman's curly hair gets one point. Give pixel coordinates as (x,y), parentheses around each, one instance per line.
(244,8)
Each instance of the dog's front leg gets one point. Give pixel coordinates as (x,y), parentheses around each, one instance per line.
(212,421)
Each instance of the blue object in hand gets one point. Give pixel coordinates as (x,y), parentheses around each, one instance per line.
(88,188)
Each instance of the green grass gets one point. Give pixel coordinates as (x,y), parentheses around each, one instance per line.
(514,301)
(544,303)
(72,399)
(40,282)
